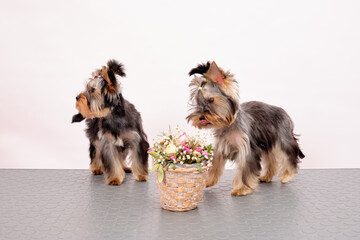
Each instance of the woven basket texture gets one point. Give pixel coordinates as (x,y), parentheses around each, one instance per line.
(182,188)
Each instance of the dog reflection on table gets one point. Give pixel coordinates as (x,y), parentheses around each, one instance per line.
(257,136)
(114,127)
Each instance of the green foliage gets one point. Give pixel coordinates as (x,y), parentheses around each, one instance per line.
(154,155)
(156,166)
(160,173)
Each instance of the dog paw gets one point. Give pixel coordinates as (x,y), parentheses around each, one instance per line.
(266,179)
(97,172)
(285,178)
(141,178)
(209,184)
(114,181)
(242,191)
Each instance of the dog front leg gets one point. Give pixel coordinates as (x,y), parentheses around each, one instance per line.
(114,173)
(247,175)
(96,165)
(216,170)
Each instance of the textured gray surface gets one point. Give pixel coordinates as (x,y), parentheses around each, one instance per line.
(73,204)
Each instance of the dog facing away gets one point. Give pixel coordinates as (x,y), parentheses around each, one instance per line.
(114,127)
(257,136)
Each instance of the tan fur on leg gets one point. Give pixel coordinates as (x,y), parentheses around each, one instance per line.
(287,171)
(96,165)
(216,170)
(269,166)
(239,189)
(139,171)
(116,176)
(122,159)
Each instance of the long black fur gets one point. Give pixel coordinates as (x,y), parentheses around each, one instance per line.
(201,68)
(115,68)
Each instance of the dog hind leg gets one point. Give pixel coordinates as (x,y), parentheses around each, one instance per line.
(139,163)
(138,154)
(288,162)
(269,166)
(123,153)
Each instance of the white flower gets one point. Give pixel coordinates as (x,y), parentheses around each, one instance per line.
(181,162)
(170,149)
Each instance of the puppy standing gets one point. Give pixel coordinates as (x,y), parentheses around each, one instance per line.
(256,135)
(114,127)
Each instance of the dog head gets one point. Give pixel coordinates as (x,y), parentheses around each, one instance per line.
(214,96)
(101,92)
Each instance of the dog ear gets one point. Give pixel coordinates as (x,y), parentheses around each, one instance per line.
(77,118)
(201,68)
(225,81)
(109,72)
(111,82)
(215,74)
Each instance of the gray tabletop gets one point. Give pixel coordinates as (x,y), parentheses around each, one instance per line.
(74,204)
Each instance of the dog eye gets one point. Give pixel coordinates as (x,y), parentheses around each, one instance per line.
(92,90)
(211,100)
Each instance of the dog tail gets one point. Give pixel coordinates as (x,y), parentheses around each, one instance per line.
(301,155)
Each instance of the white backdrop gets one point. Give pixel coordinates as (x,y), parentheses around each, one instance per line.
(300,55)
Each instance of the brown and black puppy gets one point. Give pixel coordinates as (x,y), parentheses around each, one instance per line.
(258,136)
(114,127)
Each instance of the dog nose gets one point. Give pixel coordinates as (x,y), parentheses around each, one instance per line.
(202,118)
(77,98)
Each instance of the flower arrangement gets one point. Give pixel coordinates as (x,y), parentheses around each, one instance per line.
(178,149)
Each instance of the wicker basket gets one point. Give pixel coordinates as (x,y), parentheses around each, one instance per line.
(182,188)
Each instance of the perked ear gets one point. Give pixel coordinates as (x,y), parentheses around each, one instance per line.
(214,74)
(111,85)
(109,72)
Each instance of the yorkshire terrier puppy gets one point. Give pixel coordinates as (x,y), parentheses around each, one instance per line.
(114,127)
(257,136)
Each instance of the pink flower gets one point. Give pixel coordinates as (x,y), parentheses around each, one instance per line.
(172,158)
(205,154)
(182,138)
(198,150)
(151,150)
(187,149)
